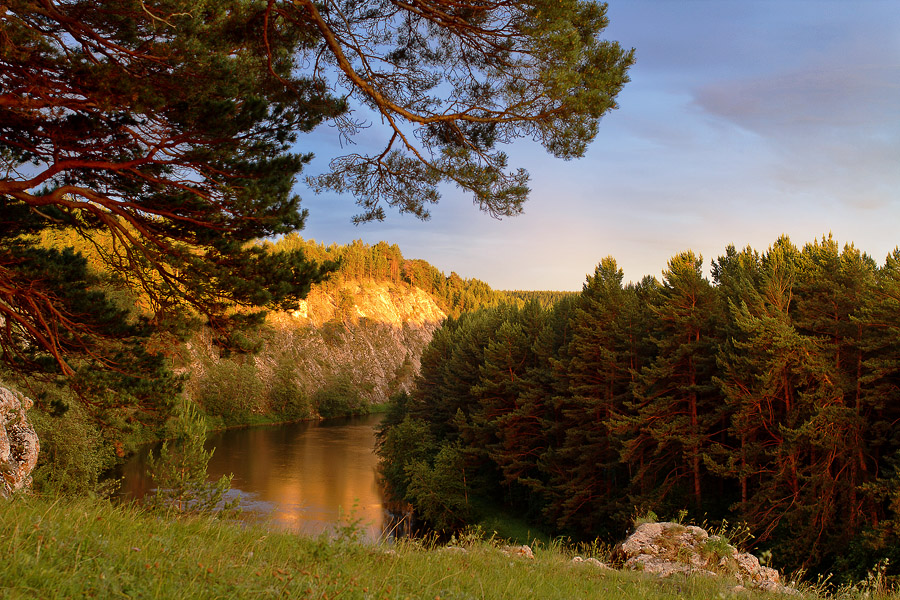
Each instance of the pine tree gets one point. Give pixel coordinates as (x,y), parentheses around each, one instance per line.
(180,470)
(505,426)
(880,346)
(451,369)
(769,372)
(171,126)
(598,372)
(675,410)
(834,285)
(790,378)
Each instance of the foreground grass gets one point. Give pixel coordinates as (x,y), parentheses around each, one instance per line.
(80,548)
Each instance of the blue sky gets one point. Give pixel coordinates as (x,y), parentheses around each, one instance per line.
(743,120)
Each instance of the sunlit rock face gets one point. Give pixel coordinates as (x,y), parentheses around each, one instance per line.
(19,445)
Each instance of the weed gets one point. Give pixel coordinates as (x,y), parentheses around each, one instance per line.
(594,549)
(875,585)
(718,554)
(647,516)
(737,534)
(350,528)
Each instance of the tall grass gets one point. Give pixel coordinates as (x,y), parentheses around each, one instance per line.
(77,548)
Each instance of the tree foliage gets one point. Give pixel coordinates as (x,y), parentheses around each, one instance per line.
(452,81)
(171,125)
(166,126)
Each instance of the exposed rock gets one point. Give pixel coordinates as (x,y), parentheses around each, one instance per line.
(520,551)
(19,445)
(668,548)
(381,302)
(591,561)
(664,567)
(375,332)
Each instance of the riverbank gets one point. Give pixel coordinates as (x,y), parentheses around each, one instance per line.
(86,548)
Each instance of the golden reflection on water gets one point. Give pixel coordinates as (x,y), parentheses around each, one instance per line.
(305,477)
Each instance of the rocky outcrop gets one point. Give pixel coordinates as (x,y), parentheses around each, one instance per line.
(669,548)
(371,333)
(19,445)
(391,304)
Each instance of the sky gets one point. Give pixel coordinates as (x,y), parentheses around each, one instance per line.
(744,120)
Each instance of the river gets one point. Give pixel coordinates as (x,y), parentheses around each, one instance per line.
(307,477)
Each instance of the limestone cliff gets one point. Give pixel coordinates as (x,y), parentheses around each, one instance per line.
(390,304)
(19,444)
(367,335)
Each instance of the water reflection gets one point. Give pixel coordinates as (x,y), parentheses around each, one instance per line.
(303,476)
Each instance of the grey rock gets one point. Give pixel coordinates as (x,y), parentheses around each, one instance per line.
(19,444)
(668,548)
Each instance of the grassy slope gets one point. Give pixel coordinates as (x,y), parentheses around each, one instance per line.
(82,548)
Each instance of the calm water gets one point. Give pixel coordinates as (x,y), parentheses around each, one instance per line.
(305,477)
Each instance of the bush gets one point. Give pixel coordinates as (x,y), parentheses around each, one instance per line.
(74,454)
(231,390)
(340,397)
(440,494)
(286,397)
(400,445)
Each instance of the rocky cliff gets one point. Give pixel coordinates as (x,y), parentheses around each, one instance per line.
(19,444)
(361,338)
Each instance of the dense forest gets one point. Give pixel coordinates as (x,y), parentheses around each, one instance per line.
(769,394)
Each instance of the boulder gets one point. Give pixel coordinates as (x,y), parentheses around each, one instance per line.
(669,548)
(578,560)
(19,445)
(520,551)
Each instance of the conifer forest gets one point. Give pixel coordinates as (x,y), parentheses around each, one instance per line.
(767,394)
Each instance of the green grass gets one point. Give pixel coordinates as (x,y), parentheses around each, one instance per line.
(81,548)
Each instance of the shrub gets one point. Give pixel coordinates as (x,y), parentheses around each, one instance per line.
(230,389)
(340,397)
(440,494)
(74,453)
(286,396)
(400,445)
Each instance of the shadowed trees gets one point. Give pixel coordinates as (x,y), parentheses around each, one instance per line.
(768,395)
